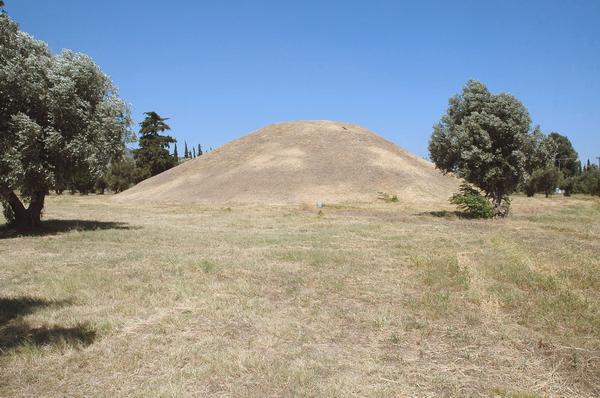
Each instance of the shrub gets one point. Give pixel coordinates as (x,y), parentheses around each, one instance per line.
(547,179)
(388,198)
(121,175)
(568,185)
(472,202)
(589,181)
(529,187)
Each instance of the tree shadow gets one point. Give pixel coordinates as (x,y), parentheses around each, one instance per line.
(16,332)
(54,227)
(14,307)
(441,214)
(448,215)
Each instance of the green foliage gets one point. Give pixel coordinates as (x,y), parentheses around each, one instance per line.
(568,185)
(175,153)
(541,151)
(153,155)
(566,156)
(199,150)
(589,181)
(60,118)
(388,198)
(121,175)
(546,180)
(101,185)
(83,182)
(470,201)
(484,138)
(530,187)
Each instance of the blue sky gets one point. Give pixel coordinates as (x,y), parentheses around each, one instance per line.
(220,69)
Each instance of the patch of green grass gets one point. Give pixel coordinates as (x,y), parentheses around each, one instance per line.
(503,393)
(444,274)
(207,266)
(444,283)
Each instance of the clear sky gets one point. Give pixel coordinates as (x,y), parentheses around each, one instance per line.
(220,69)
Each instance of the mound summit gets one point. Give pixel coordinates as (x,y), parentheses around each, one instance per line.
(296,162)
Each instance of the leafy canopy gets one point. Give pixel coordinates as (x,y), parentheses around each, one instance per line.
(60,116)
(546,179)
(485,139)
(566,155)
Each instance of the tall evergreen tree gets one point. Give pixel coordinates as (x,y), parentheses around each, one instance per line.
(153,155)
(193,153)
(175,154)
(185,151)
(199,150)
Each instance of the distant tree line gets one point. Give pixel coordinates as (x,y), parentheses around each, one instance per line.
(563,172)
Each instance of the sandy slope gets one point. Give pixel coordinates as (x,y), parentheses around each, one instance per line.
(295,162)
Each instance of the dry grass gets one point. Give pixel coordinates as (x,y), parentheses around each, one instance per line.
(295,162)
(375,300)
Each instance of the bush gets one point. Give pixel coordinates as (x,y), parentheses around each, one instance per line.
(568,185)
(589,181)
(529,187)
(101,185)
(472,202)
(121,175)
(547,180)
(388,198)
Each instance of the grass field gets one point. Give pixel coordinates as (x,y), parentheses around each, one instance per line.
(370,300)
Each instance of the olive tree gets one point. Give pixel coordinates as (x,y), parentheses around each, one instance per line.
(485,139)
(60,116)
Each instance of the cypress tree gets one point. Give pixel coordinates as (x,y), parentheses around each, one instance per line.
(185,151)
(193,152)
(153,157)
(175,154)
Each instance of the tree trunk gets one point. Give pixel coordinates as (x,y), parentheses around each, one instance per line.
(501,208)
(26,218)
(35,209)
